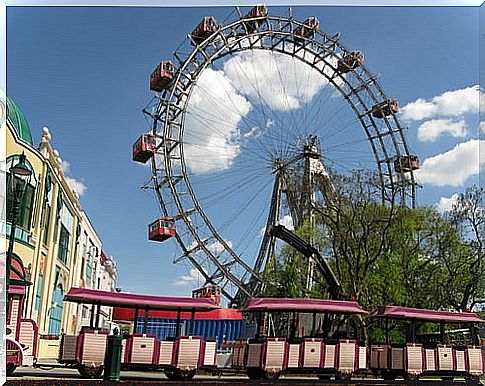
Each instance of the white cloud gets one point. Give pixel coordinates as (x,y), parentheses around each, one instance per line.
(251,132)
(453,167)
(217,248)
(76,185)
(220,101)
(211,127)
(445,204)
(287,222)
(274,79)
(65,166)
(214,247)
(449,104)
(194,277)
(432,129)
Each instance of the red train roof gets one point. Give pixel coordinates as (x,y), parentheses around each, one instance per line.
(123,299)
(304,305)
(395,312)
(128,314)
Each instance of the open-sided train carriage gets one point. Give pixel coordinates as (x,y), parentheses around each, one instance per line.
(314,352)
(178,356)
(21,333)
(416,358)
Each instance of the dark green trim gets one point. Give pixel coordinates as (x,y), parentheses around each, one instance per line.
(23,283)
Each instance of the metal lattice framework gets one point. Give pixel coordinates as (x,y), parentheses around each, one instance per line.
(171,177)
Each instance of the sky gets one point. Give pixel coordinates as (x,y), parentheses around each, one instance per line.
(83,72)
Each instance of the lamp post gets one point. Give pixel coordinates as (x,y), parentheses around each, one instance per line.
(18,173)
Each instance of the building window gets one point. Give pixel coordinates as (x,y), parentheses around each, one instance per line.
(55,319)
(89,263)
(47,214)
(26,208)
(38,294)
(63,250)
(89,269)
(47,208)
(64,234)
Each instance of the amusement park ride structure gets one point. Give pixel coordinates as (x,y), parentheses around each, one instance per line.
(301,181)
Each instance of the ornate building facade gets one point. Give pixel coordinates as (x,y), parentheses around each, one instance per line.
(54,237)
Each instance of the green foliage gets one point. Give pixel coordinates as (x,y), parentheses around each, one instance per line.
(286,277)
(391,255)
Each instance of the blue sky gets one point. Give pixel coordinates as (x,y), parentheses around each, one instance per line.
(83,72)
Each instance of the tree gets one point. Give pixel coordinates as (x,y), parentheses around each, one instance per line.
(465,267)
(387,254)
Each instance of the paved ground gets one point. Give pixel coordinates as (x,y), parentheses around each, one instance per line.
(70,377)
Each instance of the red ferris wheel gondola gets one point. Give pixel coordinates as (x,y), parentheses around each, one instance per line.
(161,229)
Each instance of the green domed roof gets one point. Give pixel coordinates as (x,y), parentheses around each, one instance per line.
(17,120)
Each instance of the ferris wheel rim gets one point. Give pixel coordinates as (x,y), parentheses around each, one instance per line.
(167,139)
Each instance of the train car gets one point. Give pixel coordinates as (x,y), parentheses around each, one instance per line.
(412,358)
(179,355)
(325,349)
(21,333)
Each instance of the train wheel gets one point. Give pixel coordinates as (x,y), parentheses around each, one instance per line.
(254,374)
(411,377)
(170,374)
(179,375)
(90,371)
(472,380)
(271,375)
(344,376)
(388,376)
(187,375)
(10,369)
(324,377)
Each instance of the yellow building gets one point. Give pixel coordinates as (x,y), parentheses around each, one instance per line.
(54,237)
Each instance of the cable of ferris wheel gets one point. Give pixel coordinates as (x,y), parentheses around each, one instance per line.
(235,188)
(256,88)
(205,117)
(257,91)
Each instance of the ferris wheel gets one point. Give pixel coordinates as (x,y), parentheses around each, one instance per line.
(249,120)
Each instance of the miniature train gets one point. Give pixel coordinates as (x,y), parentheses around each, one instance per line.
(262,355)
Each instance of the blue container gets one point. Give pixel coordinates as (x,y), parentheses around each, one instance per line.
(223,330)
